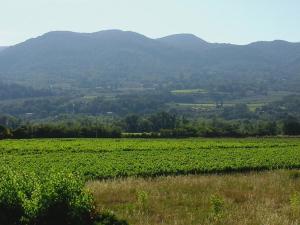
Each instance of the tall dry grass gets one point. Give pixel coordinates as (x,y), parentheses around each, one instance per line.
(268,198)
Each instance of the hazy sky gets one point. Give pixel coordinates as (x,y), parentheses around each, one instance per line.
(234,21)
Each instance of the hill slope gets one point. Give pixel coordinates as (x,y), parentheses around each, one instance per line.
(2,48)
(115,57)
(75,57)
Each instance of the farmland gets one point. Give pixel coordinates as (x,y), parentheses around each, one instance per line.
(110,158)
(38,174)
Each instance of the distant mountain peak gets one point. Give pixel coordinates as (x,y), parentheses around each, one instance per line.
(116,32)
(274,42)
(102,32)
(185,41)
(183,37)
(113,34)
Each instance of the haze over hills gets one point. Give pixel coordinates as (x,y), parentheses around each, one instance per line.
(115,57)
(124,72)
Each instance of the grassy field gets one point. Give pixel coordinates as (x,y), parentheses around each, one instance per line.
(268,198)
(189,91)
(110,158)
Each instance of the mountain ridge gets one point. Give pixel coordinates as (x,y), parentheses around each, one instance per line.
(116,56)
(118,31)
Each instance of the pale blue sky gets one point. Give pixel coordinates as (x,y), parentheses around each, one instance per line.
(234,21)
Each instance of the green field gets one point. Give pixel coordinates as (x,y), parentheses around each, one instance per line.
(189,91)
(108,158)
(253,102)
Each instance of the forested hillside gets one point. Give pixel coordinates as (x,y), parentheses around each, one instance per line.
(122,79)
(116,58)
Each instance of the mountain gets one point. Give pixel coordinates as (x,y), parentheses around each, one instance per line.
(187,42)
(115,58)
(2,48)
(104,55)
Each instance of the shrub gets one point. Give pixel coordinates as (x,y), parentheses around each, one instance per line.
(64,202)
(60,199)
(109,219)
(4,132)
(20,197)
(217,205)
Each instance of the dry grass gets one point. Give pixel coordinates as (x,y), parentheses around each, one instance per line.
(269,198)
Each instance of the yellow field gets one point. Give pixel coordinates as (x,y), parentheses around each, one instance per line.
(268,198)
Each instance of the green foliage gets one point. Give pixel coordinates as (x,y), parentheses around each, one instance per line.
(142,199)
(64,131)
(153,123)
(109,158)
(64,202)
(291,126)
(171,126)
(238,111)
(217,205)
(20,197)
(59,199)
(4,132)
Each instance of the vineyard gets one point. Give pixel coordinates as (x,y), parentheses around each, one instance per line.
(109,158)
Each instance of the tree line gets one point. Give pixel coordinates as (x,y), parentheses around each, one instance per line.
(161,124)
(59,131)
(169,125)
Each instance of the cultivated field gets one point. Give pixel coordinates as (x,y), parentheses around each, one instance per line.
(147,192)
(110,158)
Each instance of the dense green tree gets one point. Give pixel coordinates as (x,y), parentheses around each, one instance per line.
(163,120)
(238,111)
(291,126)
(4,132)
(132,123)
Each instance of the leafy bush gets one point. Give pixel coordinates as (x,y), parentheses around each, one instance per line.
(20,197)
(59,199)
(65,202)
